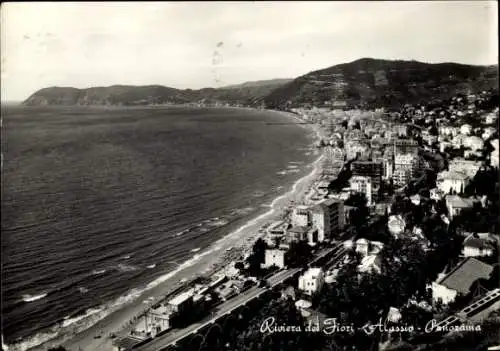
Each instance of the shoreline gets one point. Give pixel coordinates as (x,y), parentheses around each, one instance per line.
(117,317)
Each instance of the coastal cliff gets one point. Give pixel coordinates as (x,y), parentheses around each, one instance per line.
(365,83)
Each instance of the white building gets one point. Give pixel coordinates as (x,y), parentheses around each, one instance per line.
(466,129)
(488,132)
(405,168)
(455,204)
(328,218)
(494,156)
(362,246)
(474,143)
(355,149)
(362,185)
(274,257)
(469,167)
(452,181)
(312,281)
(475,246)
(301,216)
(490,118)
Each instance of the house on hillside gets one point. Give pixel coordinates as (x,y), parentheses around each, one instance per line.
(312,281)
(456,204)
(477,245)
(459,281)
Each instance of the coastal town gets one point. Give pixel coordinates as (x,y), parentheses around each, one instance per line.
(397,233)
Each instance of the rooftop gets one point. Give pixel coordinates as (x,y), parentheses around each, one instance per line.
(465,274)
(452,175)
(127,342)
(313,272)
(459,202)
(479,243)
(179,299)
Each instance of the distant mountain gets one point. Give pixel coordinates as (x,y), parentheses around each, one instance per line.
(246,93)
(365,83)
(372,83)
(260,83)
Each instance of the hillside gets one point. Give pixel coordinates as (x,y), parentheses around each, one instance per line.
(375,83)
(365,83)
(247,93)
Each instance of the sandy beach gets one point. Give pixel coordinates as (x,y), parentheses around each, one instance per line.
(205,263)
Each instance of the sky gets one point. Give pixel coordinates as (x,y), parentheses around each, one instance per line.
(211,44)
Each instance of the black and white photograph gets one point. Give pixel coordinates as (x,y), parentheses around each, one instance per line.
(250,176)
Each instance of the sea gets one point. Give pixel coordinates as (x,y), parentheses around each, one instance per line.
(98,202)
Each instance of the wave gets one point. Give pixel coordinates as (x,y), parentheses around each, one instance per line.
(196,249)
(181,232)
(68,320)
(151,266)
(219,223)
(83,289)
(126,268)
(98,272)
(92,316)
(31,298)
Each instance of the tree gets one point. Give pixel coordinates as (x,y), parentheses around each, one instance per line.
(360,213)
(257,257)
(298,254)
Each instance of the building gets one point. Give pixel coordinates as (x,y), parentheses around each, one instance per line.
(328,218)
(405,146)
(297,234)
(469,167)
(274,257)
(460,280)
(356,149)
(301,216)
(488,132)
(362,246)
(372,169)
(158,319)
(126,343)
(494,157)
(362,185)
(476,246)
(455,204)
(406,167)
(474,143)
(347,213)
(182,302)
(452,182)
(276,232)
(401,130)
(466,129)
(312,281)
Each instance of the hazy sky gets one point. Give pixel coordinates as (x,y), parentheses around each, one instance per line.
(193,45)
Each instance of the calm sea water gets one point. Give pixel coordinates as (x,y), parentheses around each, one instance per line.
(97,202)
